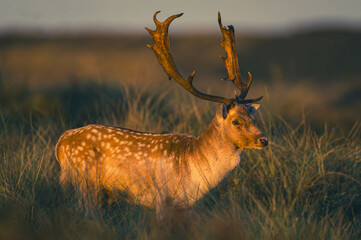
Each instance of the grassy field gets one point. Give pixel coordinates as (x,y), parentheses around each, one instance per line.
(305,185)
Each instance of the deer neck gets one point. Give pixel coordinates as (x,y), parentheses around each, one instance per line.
(214,157)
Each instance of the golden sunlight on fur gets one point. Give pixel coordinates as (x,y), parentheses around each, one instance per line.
(155,169)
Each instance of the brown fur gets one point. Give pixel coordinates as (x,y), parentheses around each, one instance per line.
(153,167)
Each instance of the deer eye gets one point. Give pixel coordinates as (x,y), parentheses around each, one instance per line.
(236,123)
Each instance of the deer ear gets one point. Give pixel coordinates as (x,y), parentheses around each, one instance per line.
(222,112)
(252,108)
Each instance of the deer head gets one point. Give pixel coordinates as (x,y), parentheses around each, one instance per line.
(235,116)
(237,124)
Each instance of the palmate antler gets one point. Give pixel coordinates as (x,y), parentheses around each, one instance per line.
(165,59)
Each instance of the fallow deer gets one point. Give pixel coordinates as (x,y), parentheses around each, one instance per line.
(156,168)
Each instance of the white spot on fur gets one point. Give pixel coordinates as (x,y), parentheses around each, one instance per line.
(155,148)
(91,153)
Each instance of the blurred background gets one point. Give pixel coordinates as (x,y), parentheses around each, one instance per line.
(305,56)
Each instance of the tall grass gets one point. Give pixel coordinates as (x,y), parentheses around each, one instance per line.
(305,185)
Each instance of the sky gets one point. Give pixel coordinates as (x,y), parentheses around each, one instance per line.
(199,15)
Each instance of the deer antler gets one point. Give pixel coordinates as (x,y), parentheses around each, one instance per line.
(165,59)
(162,51)
(231,62)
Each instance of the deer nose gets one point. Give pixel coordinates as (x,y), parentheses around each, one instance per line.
(263,141)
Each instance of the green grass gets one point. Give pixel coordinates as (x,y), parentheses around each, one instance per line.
(305,185)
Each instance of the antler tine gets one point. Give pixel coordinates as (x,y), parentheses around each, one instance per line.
(162,51)
(231,61)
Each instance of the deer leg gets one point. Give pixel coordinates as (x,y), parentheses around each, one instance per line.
(64,180)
